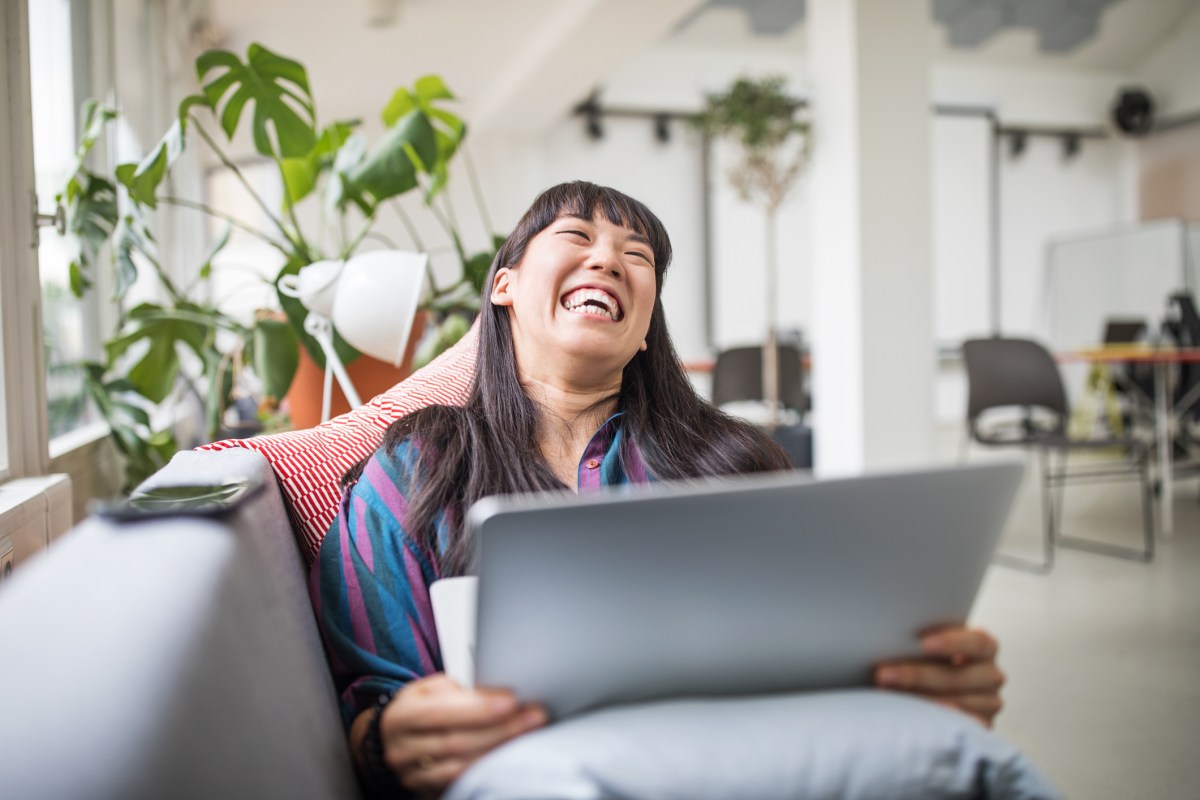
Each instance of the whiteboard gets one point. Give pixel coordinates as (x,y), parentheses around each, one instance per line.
(1125,273)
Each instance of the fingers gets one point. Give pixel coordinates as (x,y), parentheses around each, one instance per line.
(461,744)
(437,702)
(434,729)
(961,644)
(937,678)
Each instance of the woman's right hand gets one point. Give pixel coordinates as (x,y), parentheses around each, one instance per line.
(434,729)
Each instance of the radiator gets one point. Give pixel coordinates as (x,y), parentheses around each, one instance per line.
(33,513)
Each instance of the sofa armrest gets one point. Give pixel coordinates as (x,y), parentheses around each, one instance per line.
(172,657)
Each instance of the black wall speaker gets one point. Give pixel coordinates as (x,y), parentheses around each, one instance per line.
(1133,111)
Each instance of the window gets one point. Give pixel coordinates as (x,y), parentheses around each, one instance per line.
(71,325)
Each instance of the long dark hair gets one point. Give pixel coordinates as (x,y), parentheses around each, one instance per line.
(490,446)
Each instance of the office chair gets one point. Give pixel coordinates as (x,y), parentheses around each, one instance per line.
(1189,336)
(737,375)
(1017,373)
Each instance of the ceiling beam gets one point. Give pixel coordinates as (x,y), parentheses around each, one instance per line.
(578,45)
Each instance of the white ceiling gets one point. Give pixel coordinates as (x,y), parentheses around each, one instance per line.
(519,64)
(1129,32)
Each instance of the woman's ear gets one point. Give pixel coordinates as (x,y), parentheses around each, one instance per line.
(500,287)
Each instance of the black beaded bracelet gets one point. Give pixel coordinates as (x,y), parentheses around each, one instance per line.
(378,780)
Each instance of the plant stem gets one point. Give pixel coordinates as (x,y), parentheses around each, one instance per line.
(228,164)
(163,278)
(473,177)
(408,225)
(358,237)
(290,208)
(384,239)
(449,229)
(212,212)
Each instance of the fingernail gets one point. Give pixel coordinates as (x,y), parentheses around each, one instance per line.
(935,644)
(534,717)
(502,703)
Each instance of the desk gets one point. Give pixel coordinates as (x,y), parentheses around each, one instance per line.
(1166,415)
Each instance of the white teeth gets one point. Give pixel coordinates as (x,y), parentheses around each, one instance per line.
(578,302)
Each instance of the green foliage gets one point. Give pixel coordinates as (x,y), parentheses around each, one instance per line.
(172,346)
(278,88)
(764,122)
(759,115)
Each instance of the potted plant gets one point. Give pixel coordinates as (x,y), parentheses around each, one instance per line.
(763,123)
(184,343)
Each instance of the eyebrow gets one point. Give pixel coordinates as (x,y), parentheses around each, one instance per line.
(634,236)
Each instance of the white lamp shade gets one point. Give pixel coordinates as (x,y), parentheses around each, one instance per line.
(378,294)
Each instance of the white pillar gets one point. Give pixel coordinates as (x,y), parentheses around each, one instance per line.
(872,341)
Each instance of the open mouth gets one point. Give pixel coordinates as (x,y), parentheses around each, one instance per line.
(596,302)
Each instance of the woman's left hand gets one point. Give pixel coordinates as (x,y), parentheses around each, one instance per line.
(959,672)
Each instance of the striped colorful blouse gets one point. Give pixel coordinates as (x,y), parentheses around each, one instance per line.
(370,582)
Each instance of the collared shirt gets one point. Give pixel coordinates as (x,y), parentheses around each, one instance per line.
(370,582)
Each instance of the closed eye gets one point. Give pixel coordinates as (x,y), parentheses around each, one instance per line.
(641,255)
(580,234)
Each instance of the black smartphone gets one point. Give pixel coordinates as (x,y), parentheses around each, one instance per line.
(193,499)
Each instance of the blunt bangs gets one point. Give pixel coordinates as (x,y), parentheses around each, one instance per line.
(588,201)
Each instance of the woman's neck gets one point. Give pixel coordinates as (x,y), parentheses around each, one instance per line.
(570,415)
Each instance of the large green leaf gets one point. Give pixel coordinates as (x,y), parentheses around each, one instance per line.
(338,191)
(95,118)
(154,374)
(449,129)
(127,242)
(300,175)
(275,356)
(91,211)
(144,178)
(391,168)
(284,123)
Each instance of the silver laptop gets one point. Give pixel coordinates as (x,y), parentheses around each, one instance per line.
(743,585)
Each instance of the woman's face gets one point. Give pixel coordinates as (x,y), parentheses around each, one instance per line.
(580,299)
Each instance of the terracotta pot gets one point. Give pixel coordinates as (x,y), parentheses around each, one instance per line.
(370,377)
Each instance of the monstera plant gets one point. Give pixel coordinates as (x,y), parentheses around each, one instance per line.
(182,342)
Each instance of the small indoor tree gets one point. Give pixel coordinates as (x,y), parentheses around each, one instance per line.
(763,122)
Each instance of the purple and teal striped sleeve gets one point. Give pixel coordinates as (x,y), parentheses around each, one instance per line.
(370,587)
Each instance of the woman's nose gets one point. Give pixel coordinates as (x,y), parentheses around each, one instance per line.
(606,259)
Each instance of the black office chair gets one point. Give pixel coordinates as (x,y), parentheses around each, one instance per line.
(1188,389)
(738,372)
(1021,374)
(738,376)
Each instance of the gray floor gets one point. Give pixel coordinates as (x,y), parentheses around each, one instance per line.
(1102,655)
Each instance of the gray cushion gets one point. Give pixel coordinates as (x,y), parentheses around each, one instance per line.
(854,744)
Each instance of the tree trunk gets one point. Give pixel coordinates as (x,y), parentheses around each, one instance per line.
(770,359)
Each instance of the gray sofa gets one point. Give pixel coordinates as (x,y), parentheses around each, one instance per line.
(179,658)
(170,658)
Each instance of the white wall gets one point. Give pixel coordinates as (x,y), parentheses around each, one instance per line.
(1043,196)
(1172,72)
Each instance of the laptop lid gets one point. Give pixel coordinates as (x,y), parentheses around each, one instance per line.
(741,585)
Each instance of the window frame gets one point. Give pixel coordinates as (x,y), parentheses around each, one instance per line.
(25,415)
